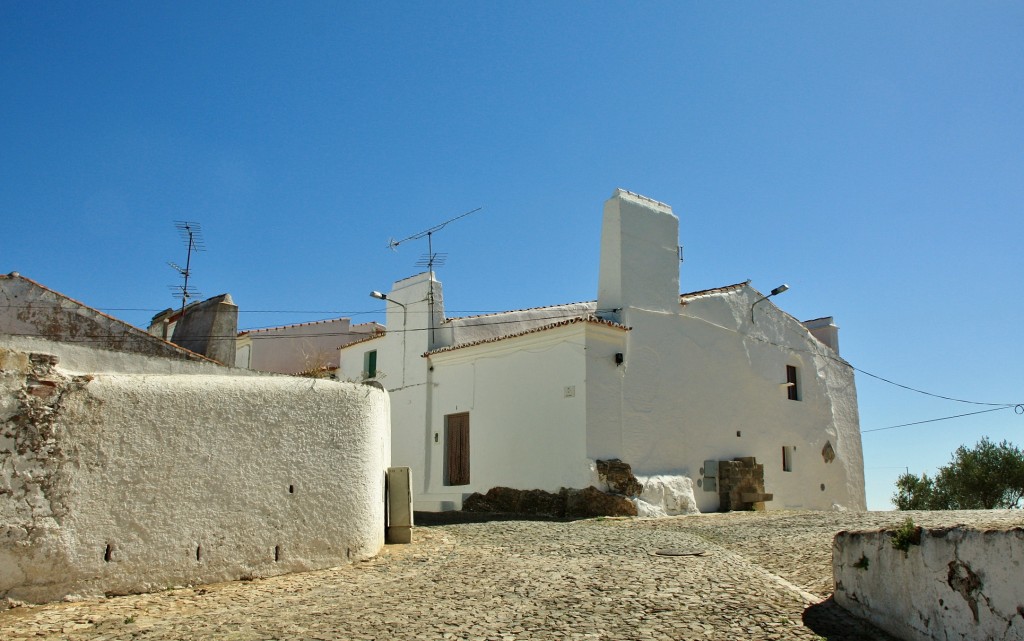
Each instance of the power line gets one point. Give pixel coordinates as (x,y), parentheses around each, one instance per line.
(913,389)
(1019,409)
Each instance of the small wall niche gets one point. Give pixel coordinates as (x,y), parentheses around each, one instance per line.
(277,553)
(108,553)
(199,553)
(291,489)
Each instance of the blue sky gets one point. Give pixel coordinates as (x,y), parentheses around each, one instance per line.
(871,155)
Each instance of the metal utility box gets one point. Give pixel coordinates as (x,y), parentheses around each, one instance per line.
(399,505)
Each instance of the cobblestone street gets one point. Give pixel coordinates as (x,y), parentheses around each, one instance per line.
(759,576)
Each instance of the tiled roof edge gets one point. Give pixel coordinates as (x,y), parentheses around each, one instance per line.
(516,311)
(569,321)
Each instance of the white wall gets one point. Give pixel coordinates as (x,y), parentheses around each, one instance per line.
(402,370)
(957,584)
(242,468)
(639,255)
(295,349)
(527,430)
(705,379)
(694,375)
(692,380)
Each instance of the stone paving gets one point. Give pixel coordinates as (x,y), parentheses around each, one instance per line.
(759,576)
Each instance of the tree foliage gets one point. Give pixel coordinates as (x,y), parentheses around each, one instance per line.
(985,477)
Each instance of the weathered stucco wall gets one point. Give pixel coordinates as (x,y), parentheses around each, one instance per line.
(116,483)
(209,328)
(28,309)
(952,583)
(707,383)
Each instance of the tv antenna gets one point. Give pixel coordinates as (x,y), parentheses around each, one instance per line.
(192,233)
(430,259)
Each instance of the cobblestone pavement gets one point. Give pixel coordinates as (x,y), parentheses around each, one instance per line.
(761,576)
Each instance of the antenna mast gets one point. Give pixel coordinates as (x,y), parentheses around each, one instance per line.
(430,259)
(192,233)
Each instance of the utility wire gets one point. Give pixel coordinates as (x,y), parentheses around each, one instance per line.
(97,338)
(914,389)
(1019,409)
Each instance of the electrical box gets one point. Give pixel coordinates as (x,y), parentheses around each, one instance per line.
(399,505)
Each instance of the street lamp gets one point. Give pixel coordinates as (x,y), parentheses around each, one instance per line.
(775,292)
(384,297)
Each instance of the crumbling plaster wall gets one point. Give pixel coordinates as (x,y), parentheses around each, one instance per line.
(27,309)
(955,583)
(119,483)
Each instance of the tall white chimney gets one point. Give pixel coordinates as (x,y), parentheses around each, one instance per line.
(639,256)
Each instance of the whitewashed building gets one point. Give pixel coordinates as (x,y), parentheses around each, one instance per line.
(668,383)
(301,348)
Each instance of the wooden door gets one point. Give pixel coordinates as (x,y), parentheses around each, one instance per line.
(456,438)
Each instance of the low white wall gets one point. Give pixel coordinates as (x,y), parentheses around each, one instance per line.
(957,583)
(118,483)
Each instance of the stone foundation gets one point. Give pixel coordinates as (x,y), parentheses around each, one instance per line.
(566,503)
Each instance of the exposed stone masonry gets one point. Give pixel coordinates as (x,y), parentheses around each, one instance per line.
(568,502)
(741,485)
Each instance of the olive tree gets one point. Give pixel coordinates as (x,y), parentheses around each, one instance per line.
(984,477)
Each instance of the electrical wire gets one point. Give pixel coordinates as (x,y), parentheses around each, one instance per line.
(945,418)
(913,389)
(98,338)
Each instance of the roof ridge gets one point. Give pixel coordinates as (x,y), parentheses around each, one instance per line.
(715,290)
(267,329)
(516,311)
(587,318)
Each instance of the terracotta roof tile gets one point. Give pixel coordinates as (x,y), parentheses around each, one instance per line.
(371,337)
(517,311)
(319,322)
(714,290)
(590,318)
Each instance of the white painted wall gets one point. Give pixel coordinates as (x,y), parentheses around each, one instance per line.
(693,379)
(158,466)
(639,255)
(402,370)
(527,401)
(694,375)
(294,349)
(699,373)
(926,592)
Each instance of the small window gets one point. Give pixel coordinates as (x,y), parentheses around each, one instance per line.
(370,364)
(787,458)
(792,383)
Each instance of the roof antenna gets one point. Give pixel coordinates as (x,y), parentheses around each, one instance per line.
(430,259)
(192,233)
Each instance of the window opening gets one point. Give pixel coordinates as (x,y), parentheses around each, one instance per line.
(370,364)
(787,458)
(792,383)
